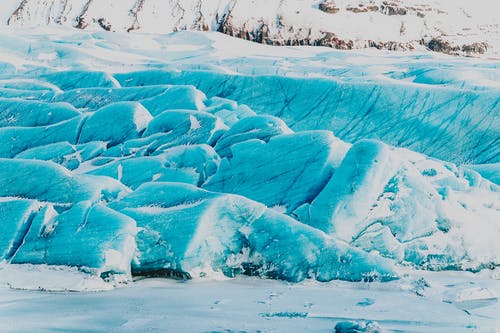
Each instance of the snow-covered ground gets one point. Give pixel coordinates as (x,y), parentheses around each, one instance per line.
(420,302)
(450,26)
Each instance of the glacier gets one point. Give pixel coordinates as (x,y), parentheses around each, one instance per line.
(437,121)
(310,172)
(449,110)
(280,189)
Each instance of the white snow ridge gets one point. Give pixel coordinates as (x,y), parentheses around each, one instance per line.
(449,26)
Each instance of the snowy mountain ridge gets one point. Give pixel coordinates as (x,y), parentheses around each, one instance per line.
(452,27)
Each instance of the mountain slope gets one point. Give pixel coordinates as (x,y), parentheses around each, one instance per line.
(453,27)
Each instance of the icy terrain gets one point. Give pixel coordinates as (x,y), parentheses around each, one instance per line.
(449,302)
(210,158)
(441,106)
(204,184)
(459,27)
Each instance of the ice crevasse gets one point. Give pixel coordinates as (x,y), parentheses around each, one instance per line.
(138,180)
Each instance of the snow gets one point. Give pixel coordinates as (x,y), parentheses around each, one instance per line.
(139,159)
(402,24)
(8,7)
(453,302)
(50,278)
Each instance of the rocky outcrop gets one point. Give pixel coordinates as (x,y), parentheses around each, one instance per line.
(413,24)
(393,8)
(329,7)
(363,9)
(475,48)
(332,40)
(440,45)
(398,8)
(259,34)
(133,12)
(81,22)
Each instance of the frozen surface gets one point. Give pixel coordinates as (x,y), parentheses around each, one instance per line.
(219,187)
(115,123)
(489,171)
(185,228)
(448,302)
(442,106)
(216,188)
(197,156)
(288,170)
(47,181)
(16,214)
(445,121)
(92,237)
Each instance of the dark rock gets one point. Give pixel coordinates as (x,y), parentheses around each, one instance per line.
(103,23)
(390,45)
(363,9)
(329,7)
(475,48)
(357,10)
(81,23)
(168,273)
(331,40)
(439,45)
(392,8)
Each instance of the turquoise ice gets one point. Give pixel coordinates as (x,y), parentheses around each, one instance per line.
(205,170)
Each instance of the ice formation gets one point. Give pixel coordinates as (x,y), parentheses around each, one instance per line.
(159,177)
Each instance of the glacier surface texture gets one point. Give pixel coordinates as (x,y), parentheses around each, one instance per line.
(213,165)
